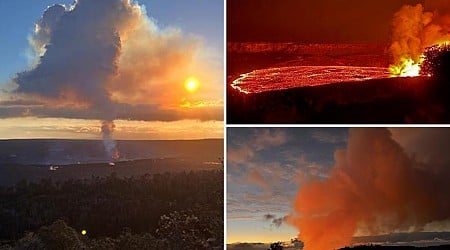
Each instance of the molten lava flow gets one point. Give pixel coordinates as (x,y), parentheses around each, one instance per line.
(279,78)
(116,154)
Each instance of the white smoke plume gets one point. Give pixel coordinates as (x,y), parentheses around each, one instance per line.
(107,130)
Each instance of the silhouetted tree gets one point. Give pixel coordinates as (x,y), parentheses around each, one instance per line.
(276,246)
(437,62)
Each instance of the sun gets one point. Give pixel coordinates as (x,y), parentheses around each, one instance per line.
(191,84)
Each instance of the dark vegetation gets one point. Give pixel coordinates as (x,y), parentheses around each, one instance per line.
(276,246)
(10,174)
(437,62)
(178,210)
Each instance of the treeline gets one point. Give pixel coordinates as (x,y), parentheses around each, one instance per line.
(162,209)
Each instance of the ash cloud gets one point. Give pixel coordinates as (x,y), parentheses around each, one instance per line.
(105,59)
(377,186)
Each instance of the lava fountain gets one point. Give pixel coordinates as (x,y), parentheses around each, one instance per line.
(408,67)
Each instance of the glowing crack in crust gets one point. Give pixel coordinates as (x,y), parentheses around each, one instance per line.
(279,78)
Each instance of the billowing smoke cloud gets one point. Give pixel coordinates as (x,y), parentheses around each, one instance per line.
(376,187)
(415,28)
(107,130)
(105,59)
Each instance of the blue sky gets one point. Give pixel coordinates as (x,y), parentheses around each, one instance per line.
(266,167)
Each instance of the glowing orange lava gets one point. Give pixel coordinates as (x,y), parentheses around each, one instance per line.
(116,154)
(408,67)
(279,78)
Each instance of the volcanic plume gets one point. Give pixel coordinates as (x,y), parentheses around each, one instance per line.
(107,60)
(107,130)
(414,28)
(378,185)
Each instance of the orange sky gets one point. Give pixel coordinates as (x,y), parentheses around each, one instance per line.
(32,127)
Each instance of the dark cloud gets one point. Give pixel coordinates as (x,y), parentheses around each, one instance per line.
(269,216)
(275,221)
(143,112)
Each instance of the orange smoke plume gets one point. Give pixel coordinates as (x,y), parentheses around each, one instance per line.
(414,28)
(374,188)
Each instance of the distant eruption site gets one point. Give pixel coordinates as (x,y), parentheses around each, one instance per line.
(416,29)
(377,186)
(107,130)
(100,59)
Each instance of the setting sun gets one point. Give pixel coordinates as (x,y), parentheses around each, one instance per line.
(191,84)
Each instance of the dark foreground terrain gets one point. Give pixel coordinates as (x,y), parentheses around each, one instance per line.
(62,151)
(391,100)
(67,194)
(178,210)
(10,173)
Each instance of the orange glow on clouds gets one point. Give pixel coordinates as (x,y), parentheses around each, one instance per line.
(33,127)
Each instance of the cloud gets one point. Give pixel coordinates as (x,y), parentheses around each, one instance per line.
(267,138)
(425,145)
(269,216)
(275,221)
(258,140)
(325,136)
(105,59)
(262,174)
(254,177)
